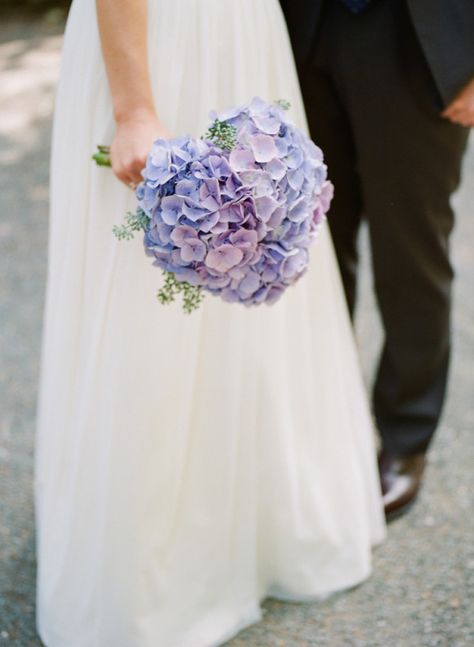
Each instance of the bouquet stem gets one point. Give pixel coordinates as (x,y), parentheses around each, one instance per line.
(102,156)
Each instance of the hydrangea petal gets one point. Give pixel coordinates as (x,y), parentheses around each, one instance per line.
(182,234)
(223,258)
(265,206)
(242,160)
(263,148)
(193,250)
(171,209)
(266,124)
(277,169)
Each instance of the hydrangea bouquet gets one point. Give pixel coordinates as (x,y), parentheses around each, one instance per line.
(233,213)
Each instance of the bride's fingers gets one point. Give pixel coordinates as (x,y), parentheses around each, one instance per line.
(130,149)
(128,174)
(135,172)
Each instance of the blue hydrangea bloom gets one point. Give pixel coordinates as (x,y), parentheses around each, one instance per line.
(237,223)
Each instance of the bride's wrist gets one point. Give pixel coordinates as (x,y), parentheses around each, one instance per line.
(135,115)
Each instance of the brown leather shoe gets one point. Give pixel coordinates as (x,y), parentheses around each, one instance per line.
(400,477)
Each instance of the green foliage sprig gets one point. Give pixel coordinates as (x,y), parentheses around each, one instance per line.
(222,135)
(133,222)
(283,103)
(192,295)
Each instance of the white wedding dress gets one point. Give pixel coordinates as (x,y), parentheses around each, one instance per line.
(187,466)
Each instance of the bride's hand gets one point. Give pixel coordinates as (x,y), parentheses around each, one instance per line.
(131,145)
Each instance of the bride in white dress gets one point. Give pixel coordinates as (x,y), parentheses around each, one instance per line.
(186,466)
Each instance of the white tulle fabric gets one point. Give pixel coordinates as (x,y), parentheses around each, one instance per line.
(187,466)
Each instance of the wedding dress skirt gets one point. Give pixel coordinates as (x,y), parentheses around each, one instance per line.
(187,466)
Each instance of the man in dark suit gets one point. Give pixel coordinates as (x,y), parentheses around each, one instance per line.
(389,92)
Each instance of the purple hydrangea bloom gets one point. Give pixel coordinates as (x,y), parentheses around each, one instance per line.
(237,223)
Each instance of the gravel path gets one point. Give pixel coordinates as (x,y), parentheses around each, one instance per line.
(422,590)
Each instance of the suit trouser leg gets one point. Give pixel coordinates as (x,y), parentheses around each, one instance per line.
(331,129)
(407,162)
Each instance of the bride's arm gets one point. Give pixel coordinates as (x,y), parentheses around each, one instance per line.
(123,33)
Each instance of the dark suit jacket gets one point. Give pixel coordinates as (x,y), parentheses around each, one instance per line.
(445,29)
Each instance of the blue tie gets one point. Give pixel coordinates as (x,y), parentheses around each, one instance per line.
(356,6)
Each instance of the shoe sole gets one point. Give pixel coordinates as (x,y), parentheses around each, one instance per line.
(399,512)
